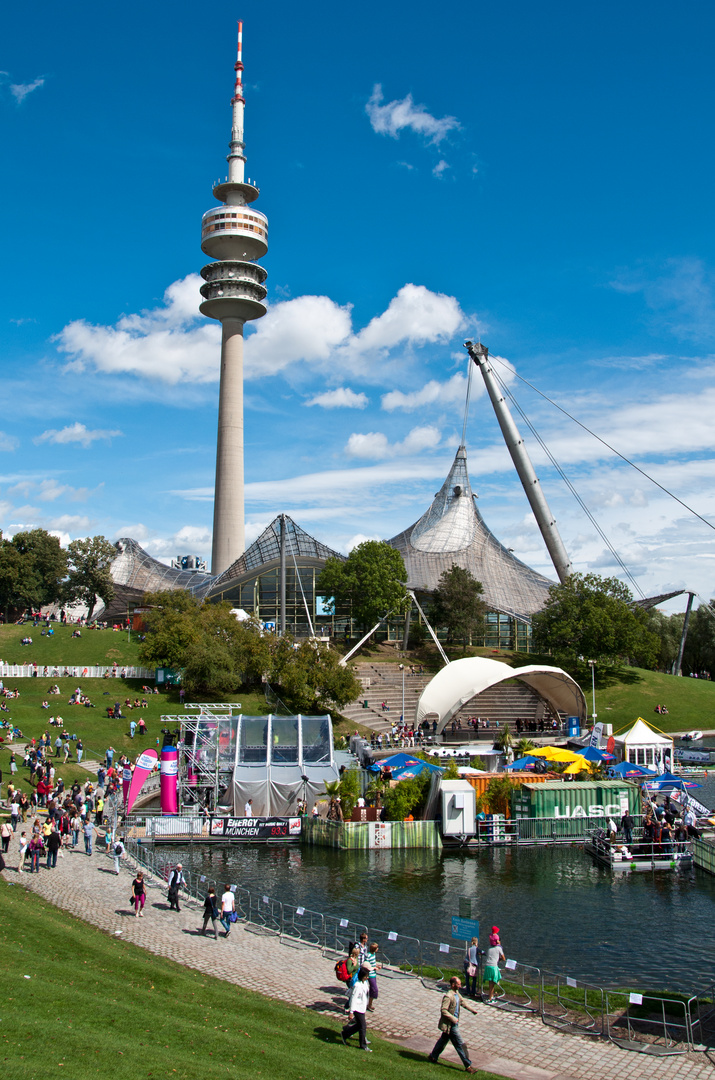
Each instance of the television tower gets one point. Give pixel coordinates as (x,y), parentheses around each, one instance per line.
(234,234)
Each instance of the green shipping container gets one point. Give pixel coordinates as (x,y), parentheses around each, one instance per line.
(588,800)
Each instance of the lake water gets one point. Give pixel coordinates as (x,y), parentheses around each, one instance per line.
(555,908)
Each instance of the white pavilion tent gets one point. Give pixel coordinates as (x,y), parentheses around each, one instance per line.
(643,745)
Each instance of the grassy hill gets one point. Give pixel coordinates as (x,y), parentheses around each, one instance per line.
(53,964)
(94,648)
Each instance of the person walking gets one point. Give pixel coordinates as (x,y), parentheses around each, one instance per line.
(228,909)
(357,1008)
(471,967)
(6,832)
(14,814)
(139,895)
(118,853)
(89,829)
(452,1004)
(22,853)
(627,827)
(35,849)
(372,965)
(80,750)
(54,842)
(210,911)
(176,880)
(76,826)
(495,953)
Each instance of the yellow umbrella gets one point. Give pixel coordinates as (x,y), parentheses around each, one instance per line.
(555,753)
(580,765)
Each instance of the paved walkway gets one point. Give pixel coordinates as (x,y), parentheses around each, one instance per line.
(516,1046)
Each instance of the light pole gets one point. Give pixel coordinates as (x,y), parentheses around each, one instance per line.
(402,669)
(592,665)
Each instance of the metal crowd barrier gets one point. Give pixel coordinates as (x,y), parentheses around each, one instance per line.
(572,1004)
(661,1026)
(671,1025)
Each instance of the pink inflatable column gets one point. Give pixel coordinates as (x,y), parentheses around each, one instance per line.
(169,773)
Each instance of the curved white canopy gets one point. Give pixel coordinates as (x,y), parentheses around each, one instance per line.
(462,680)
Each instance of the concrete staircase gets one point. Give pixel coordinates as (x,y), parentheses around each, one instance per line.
(502,705)
(383,682)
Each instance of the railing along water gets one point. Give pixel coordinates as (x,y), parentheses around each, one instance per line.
(648,1022)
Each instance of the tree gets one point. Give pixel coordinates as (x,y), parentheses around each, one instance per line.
(371,579)
(407,797)
(458,606)
(590,617)
(44,565)
(699,652)
(217,654)
(89,564)
(310,677)
(498,795)
(13,581)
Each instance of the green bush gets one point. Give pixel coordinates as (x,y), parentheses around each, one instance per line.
(408,797)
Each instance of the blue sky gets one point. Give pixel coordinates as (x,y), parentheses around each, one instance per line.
(539,175)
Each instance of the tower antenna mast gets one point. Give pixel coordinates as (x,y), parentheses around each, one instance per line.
(234,235)
(522,463)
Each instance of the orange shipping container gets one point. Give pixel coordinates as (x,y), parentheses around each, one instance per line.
(480,782)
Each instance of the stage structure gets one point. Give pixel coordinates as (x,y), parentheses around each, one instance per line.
(227,758)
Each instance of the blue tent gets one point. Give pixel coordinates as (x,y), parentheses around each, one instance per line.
(628,768)
(408,771)
(524,762)
(592,753)
(399,761)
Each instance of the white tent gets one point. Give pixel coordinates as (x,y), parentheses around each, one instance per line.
(642,745)
(460,681)
(280,759)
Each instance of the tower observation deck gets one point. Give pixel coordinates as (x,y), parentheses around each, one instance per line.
(234,234)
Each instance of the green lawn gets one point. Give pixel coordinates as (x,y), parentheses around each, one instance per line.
(635,692)
(75,998)
(92,726)
(95,647)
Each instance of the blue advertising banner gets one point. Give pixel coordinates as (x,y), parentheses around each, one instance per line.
(464,929)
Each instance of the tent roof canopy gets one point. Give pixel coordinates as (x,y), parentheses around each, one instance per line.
(642,734)
(460,681)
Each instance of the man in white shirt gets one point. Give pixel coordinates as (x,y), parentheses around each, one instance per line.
(119,852)
(248,809)
(357,1007)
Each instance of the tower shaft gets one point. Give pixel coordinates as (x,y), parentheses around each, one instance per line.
(233,234)
(229,529)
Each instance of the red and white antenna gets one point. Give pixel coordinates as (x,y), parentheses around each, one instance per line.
(238,68)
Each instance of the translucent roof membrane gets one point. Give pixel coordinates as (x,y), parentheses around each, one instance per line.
(452,531)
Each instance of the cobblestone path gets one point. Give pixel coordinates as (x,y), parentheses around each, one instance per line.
(517,1046)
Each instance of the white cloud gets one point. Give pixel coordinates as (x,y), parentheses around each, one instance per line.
(452,392)
(8,442)
(416,316)
(69,523)
(374,445)
(306,329)
(440,168)
(396,116)
(49,490)
(166,344)
(360,538)
(158,344)
(75,433)
(341,398)
(21,90)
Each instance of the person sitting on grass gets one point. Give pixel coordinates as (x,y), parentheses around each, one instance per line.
(45,704)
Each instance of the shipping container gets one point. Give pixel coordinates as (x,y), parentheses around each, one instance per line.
(588,800)
(481,782)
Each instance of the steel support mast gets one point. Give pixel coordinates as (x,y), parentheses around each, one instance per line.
(522,462)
